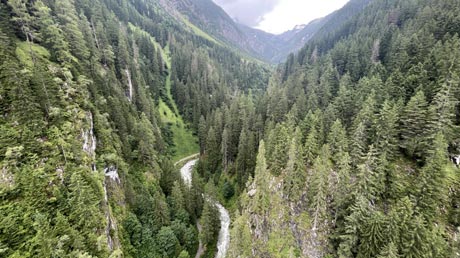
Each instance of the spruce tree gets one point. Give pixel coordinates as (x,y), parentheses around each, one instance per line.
(414,125)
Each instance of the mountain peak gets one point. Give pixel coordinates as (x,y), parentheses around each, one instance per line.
(299,27)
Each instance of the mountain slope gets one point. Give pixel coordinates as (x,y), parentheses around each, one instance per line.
(97,98)
(360,134)
(209,17)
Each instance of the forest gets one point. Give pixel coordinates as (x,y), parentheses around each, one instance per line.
(347,149)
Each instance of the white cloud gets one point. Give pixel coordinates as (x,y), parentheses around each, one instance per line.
(277,16)
(293,12)
(249,12)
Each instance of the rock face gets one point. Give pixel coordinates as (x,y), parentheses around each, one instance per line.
(110,173)
(252,193)
(89,140)
(456,160)
(281,223)
(130,85)
(6,178)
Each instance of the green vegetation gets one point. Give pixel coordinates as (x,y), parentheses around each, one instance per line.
(26,52)
(185,143)
(91,128)
(342,151)
(358,129)
(199,32)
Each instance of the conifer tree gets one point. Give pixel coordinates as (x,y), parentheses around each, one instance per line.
(386,128)
(209,222)
(240,237)
(442,111)
(432,195)
(212,150)
(224,149)
(358,144)
(320,188)
(389,251)
(414,125)
(337,140)
(22,18)
(312,146)
(168,243)
(52,34)
(295,172)
(261,201)
(202,133)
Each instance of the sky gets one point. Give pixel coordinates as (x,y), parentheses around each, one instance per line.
(277,16)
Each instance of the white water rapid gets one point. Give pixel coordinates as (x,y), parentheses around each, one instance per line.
(224,233)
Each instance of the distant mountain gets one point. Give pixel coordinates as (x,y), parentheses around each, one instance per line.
(213,20)
(287,35)
(295,39)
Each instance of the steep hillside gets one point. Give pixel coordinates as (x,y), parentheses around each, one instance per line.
(97,98)
(358,155)
(348,149)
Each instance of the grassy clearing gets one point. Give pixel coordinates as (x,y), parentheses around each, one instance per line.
(185,143)
(199,32)
(25,50)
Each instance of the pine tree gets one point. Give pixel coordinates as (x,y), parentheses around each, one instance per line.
(202,133)
(183,254)
(344,102)
(212,150)
(209,222)
(367,115)
(443,110)
(279,147)
(337,140)
(353,223)
(262,176)
(370,180)
(240,238)
(312,146)
(386,128)
(224,149)
(52,35)
(168,243)
(68,18)
(295,172)
(414,125)
(359,144)
(432,195)
(389,251)
(320,190)
(22,18)
(177,200)
(243,158)
(372,235)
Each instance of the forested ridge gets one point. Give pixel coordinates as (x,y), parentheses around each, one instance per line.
(89,126)
(344,150)
(359,129)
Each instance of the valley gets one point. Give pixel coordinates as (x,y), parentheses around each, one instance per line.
(158,128)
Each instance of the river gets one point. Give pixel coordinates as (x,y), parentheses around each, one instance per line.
(224,233)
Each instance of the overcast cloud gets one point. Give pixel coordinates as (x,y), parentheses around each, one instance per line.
(277,16)
(248,12)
